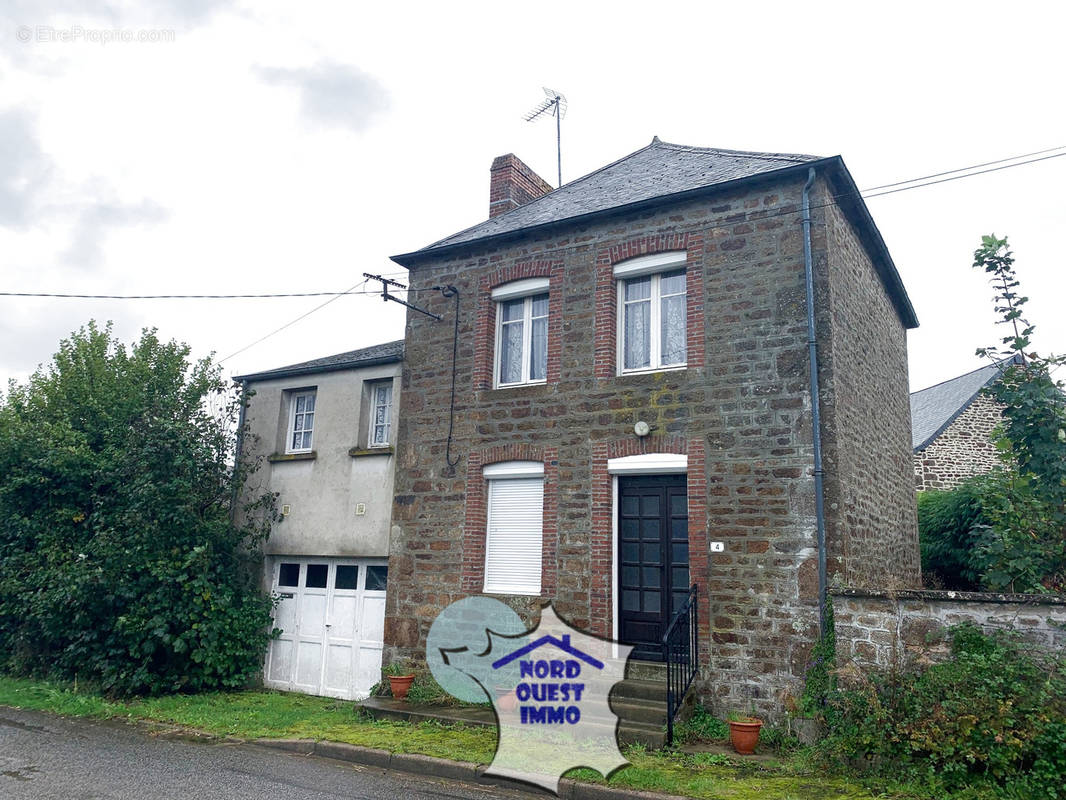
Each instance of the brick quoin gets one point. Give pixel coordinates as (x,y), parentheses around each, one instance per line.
(475,527)
(606,334)
(485,343)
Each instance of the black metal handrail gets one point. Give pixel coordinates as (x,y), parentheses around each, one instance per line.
(681,652)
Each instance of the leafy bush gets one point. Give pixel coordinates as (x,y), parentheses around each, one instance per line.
(702,726)
(994,714)
(121,563)
(992,533)
(946,522)
(820,681)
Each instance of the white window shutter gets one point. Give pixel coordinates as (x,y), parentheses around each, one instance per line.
(514,540)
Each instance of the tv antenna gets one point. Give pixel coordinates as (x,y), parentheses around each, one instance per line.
(554,103)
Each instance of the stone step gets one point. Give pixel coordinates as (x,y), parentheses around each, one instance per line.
(651,736)
(636,689)
(639,711)
(646,671)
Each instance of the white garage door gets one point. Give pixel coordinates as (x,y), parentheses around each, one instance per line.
(332,620)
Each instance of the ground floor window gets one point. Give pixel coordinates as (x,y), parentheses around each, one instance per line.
(514,536)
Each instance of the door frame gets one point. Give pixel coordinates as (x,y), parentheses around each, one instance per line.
(646,464)
(273,569)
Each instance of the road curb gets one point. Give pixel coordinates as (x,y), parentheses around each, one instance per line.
(417,764)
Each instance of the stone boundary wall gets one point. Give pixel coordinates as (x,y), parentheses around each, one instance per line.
(893,629)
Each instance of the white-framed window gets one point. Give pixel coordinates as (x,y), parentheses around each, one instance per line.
(380,414)
(301,422)
(514,535)
(521,332)
(652,313)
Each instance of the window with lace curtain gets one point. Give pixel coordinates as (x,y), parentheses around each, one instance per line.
(652,313)
(521,332)
(380,414)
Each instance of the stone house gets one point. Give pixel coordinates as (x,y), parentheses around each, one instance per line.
(951,429)
(633,410)
(325,432)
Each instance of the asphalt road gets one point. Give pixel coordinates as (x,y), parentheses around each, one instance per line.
(43,756)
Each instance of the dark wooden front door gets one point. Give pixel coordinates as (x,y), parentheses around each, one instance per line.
(653,575)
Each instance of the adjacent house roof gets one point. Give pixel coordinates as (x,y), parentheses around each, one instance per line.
(664,172)
(387,353)
(936,407)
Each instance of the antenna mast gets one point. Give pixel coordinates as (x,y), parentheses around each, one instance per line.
(554,104)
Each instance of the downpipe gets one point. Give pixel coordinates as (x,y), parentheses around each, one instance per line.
(816,411)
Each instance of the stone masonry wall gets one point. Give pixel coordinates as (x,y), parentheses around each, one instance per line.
(887,630)
(962,450)
(740,412)
(870,503)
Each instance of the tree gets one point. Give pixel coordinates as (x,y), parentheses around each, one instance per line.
(1025,539)
(122,563)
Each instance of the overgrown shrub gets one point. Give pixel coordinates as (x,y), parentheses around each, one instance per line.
(121,565)
(946,526)
(993,714)
(820,679)
(702,726)
(992,533)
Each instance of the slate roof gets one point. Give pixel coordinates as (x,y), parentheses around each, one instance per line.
(387,353)
(936,407)
(654,171)
(663,172)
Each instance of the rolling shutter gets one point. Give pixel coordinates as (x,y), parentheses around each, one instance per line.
(514,539)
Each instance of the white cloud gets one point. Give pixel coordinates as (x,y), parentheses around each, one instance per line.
(333,94)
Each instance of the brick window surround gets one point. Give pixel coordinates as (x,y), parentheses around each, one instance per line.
(485,337)
(474,532)
(601,544)
(606,333)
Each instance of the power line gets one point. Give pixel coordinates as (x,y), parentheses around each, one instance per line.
(965,169)
(960,177)
(177,296)
(891,188)
(291,322)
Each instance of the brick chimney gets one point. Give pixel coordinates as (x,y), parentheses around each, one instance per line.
(512,184)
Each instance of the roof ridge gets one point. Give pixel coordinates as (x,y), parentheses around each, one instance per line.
(798,158)
(1001,364)
(546,194)
(656,142)
(398,344)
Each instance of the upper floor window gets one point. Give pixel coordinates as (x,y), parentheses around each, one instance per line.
(521,332)
(652,312)
(301,422)
(380,414)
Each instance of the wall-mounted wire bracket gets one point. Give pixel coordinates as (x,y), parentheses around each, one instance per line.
(385,296)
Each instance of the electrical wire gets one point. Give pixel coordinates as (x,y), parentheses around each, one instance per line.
(872,192)
(291,322)
(964,169)
(178,296)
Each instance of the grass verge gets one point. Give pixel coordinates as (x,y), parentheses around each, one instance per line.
(262,714)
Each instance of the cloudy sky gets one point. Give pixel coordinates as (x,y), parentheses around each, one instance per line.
(230,147)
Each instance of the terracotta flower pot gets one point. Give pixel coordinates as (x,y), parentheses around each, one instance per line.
(744,734)
(400,685)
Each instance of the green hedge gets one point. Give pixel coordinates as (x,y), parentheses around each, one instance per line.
(121,566)
(991,718)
